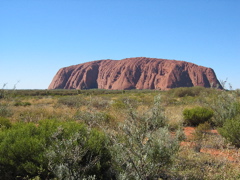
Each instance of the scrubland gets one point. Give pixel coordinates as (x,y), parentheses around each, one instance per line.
(181,134)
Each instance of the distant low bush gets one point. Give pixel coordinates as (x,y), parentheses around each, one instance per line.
(19,103)
(35,114)
(187,91)
(72,101)
(99,102)
(121,103)
(118,104)
(197,115)
(93,118)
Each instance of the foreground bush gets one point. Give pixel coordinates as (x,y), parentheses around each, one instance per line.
(52,149)
(144,147)
(197,115)
(21,152)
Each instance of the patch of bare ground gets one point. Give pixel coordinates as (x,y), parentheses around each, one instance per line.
(229,153)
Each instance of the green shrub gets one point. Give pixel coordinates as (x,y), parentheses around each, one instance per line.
(64,150)
(21,152)
(231,131)
(197,115)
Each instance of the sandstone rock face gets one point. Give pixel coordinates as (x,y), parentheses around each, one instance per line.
(134,73)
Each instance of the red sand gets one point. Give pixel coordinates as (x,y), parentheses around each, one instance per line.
(230,154)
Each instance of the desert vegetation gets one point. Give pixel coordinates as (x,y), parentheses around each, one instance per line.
(181,134)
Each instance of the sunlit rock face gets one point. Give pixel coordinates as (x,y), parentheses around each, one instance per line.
(134,73)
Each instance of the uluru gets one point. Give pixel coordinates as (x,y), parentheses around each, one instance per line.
(134,73)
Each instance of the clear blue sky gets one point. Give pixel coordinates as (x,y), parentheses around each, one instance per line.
(38,37)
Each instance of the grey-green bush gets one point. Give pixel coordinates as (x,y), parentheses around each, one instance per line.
(225,106)
(231,131)
(144,147)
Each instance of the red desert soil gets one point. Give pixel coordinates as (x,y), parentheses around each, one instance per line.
(230,154)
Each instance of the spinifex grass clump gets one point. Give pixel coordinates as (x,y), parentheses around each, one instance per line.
(197,115)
